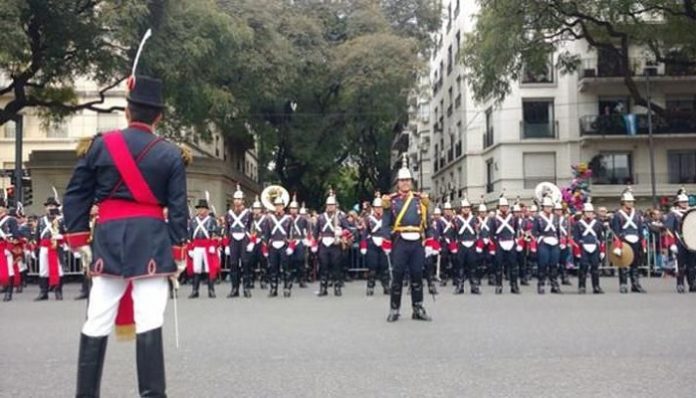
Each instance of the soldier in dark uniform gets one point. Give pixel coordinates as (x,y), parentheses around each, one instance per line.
(9,236)
(203,248)
(277,235)
(302,236)
(627,226)
(589,247)
(470,248)
(257,261)
(565,234)
(49,236)
(371,247)
(504,229)
(547,238)
(431,260)
(132,175)
(329,233)
(528,256)
(446,234)
(686,259)
(238,221)
(27,232)
(485,260)
(406,222)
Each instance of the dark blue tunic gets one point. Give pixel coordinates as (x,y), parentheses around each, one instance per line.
(138,246)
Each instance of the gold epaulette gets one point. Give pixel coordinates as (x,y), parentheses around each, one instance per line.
(186,155)
(83,145)
(386,201)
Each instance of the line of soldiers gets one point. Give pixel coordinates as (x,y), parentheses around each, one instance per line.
(38,238)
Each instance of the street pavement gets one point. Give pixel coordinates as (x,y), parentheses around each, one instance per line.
(487,346)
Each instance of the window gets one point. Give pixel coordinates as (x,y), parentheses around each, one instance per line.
(488,137)
(449,59)
(10,129)
(109,121)
(538,119)
(681,166)
(458,38)
(456,8)
(435,163)
(538,75)
(489,175)
(609,63)
(539,167)
(614,168)
(59,130)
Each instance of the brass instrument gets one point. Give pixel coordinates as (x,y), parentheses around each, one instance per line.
(270,193)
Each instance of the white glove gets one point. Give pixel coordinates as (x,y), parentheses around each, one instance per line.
(519,248)
(289,251)
(84,253)
(227,251)
(618,252)
(306,242)
(190,253)
(249,248)
(601,255)
(674,249)
(211,250)
(58,236)
(180,267)
(363,251)
(429,252)
(314,249)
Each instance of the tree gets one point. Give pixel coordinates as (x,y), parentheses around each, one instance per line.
(510,34)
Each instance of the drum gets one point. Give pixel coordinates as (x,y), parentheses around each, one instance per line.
(688,229)
(626,256)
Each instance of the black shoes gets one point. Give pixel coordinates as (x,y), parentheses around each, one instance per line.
(393,316)
(680,289)
(498,290)
(419,314)
(150,361)
(597,290)
(623,289)
(370,291)
(8,294)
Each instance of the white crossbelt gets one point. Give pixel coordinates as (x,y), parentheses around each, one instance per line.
(278,224)
(588,229)
(258,223)
(549,223)
(561,225)
(328,224)
(504,224)
(238,221)
(629,219)
(46,229)
(201,227)
(448,225)
(297,227)
(466,225)
(484,224)
(3,235)
(377,224)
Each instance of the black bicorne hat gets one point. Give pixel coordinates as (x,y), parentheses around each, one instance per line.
(51,201)
(145,90)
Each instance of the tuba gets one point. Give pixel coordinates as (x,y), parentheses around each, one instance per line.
(547,188)
(270,193)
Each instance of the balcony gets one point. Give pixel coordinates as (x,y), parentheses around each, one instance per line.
(597,72)
(632,125)
(539,130)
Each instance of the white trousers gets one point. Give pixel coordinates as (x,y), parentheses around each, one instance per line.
(200,260)
(43,263)
(10,262)
(149,301)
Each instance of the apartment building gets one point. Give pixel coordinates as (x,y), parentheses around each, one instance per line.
(551,121)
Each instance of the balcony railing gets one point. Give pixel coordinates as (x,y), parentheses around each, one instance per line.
(633,124)
(613,67)
(543,130)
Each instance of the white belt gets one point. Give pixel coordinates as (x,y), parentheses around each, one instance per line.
(631,238)
(238,235)
(277,244)
(328,241)
(589,247)
(507,244)
(468,243)
(410,236)
(377,240)
(550,240)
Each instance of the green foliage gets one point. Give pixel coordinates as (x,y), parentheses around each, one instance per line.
(510,34)
(235,66)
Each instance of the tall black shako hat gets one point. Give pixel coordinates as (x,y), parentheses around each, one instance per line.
(144,90)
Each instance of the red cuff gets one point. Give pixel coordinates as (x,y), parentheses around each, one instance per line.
(179,253)
(77,239)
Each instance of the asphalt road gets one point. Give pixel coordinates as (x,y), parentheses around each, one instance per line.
(487,346)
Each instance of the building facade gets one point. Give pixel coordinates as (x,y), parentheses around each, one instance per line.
(48,151)
(551,121)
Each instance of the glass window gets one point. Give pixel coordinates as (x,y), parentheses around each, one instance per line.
(489,176)
(538,119)
(614,168)
(10,129)
(538,75)
(681,166)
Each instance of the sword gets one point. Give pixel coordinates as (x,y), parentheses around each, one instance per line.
(175,286)
(437,268)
